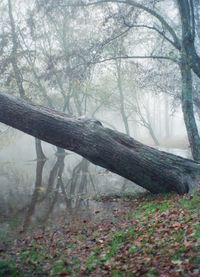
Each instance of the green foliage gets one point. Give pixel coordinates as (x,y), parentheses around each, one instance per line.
(118,274)
(197,230)
(115,244)
(191,203)
(8,268)
(92,261)
(58,267)
(152,207)
(133,249)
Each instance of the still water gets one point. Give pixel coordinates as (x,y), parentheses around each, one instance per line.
(40,194)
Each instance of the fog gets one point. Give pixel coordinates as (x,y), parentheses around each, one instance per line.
(108,62)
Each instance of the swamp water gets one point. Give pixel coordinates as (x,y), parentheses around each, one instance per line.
(38,195)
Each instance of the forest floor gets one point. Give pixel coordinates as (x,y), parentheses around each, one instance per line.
(148,236)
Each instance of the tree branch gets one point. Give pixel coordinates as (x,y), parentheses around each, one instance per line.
(142,7)
(136,57)
(150,28)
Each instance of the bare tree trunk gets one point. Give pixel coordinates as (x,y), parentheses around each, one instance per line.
(36,194)
(197,16)
(186,10)
(39,150)
(188,110)
(167,118)
(154,170)
(17,72)
(150,128)
(121,94)
(14,54)
(52,193)
(151,132)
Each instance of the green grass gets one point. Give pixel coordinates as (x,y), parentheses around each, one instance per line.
(165,227)
(118,274)
(146,213)
(58,268)
(98,258)
(152,207)
(191,203)
(8,268)
(197,230)
(115,244)
(92,261)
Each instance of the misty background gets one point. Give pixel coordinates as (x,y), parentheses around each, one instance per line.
(107,62)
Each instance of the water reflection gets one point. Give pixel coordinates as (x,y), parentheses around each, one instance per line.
(59,195)
(62,192)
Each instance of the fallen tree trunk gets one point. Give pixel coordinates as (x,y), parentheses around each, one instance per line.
(156,171)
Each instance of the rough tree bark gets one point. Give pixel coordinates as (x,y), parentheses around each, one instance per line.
(157,171)
(188,109)
(186,11)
